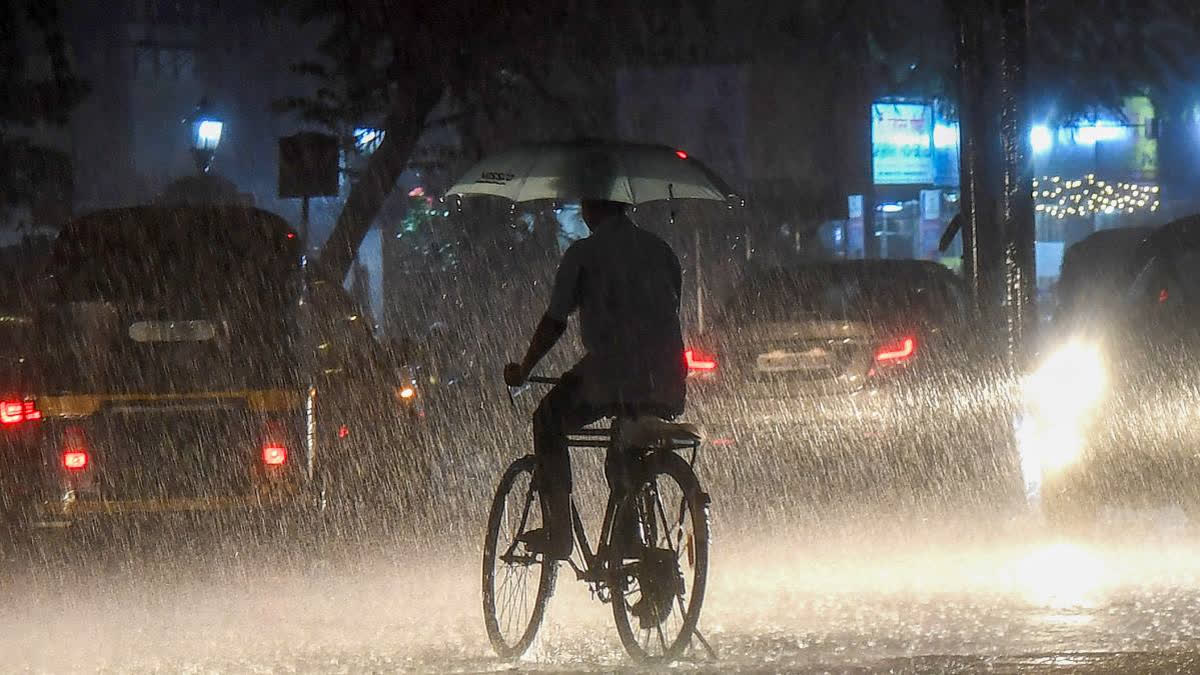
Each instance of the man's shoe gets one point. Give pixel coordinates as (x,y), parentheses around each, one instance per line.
(541,542)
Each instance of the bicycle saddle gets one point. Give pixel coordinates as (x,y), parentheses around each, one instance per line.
(646,431)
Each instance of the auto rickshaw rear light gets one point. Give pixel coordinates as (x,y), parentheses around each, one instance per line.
(75,460)
(274,448)
(74,453)
(12,412)
(274,454)
(15,412)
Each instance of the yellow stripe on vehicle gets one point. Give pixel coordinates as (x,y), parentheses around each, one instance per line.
(170,505)
(82,405)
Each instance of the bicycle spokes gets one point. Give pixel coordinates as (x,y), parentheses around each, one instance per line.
(515,578)
(656,586)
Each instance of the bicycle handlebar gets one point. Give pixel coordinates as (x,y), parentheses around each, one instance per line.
(513,392)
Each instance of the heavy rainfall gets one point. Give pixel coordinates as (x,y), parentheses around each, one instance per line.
(869,330)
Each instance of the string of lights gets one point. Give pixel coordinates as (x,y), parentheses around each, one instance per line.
(1088,196)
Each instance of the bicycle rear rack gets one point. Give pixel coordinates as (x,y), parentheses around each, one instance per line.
(602,438)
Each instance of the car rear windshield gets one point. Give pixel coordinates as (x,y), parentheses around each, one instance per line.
(847,291)
(219,256)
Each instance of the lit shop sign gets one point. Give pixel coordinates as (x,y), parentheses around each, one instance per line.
(902,143)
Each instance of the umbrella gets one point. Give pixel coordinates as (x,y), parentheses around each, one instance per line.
(631,173)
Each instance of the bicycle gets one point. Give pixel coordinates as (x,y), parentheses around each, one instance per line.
(642,574)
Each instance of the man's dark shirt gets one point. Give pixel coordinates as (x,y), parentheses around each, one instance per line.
(626,284)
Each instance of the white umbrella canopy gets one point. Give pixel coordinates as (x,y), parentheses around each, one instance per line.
(631,173)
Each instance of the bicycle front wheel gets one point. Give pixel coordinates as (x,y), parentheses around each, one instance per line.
(517,584)
(659,573)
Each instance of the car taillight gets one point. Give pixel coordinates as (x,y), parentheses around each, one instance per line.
(896,352)
(15,412)
(274,450)
(74,453)
(699,361)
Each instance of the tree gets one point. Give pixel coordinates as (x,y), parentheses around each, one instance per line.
(37,89)
(491,65)
(491,69)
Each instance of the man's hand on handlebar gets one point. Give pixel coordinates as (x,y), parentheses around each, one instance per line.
(514,375)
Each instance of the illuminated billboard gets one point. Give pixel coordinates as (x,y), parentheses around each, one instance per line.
(902,143)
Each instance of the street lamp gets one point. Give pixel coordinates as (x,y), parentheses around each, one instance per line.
(206,135)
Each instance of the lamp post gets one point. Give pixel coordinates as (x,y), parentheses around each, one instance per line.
(206,135)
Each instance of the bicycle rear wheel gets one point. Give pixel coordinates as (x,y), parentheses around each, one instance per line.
(657,595)
(517,584)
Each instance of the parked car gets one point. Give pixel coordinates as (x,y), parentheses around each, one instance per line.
(860,362)
(1111,408)
(184,361)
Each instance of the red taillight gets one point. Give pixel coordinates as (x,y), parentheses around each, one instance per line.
(698,361)
(74,453)
(898,351)
(1163,296)
(75,460)
(15,412)
(12,412)
(274,454)
(274,449)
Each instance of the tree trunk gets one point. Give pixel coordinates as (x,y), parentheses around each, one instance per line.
(402,129)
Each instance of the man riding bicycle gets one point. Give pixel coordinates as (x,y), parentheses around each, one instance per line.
(626,283)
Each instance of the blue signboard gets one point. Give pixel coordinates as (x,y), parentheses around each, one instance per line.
(902,143)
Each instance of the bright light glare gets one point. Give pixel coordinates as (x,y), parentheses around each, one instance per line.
(408,392)
(1061,575)
(1069,383)
(208,134)
(1041,139)
(1058,397)
(1046,447)
(1090,134)
(945,136)
(891,208)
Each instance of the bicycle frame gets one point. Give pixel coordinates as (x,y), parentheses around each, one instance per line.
(635,453)
(594,570)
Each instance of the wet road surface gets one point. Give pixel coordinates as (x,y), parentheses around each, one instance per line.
(873,592)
